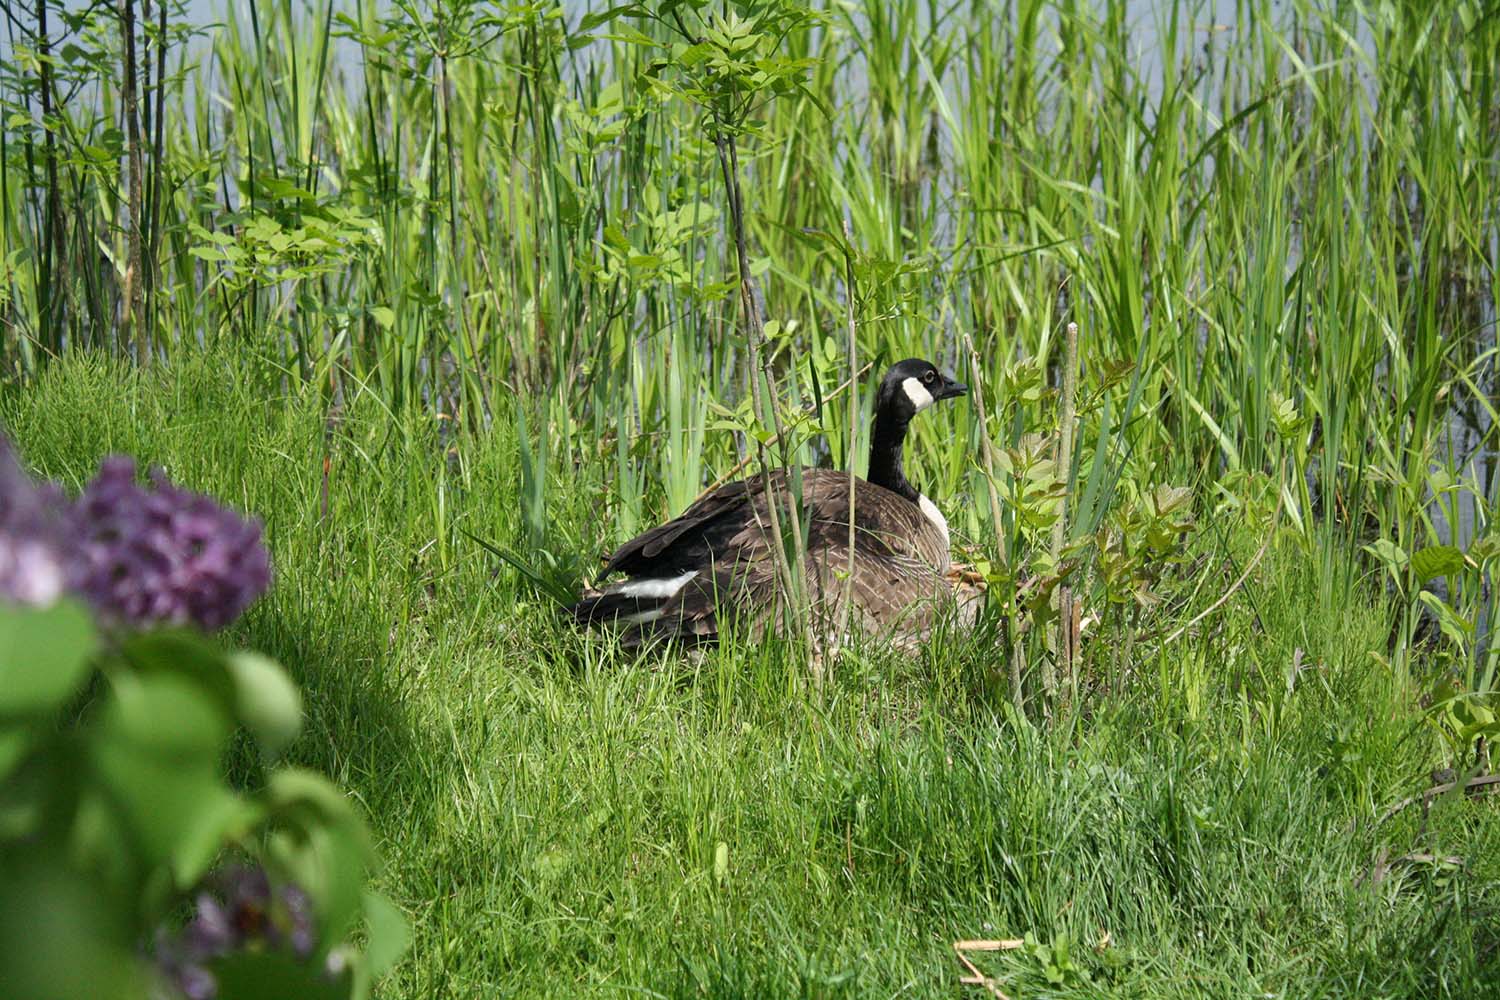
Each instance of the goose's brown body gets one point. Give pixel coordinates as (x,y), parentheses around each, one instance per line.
(725,540)
(716,563)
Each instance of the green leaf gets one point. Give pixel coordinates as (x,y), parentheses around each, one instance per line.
(568,209)
(223,817)
(387,931)
(1170,499)
(1435,561)
(632,36)
(721,861)
(592,21)
(268,703)
(158,751)
(1391,555)
(611,99)
(329,862)
(296,789)
(186,655)
(14,741)
(1450,622)
(384,316)
(539,578)
(62,934)
(614,238)
(321,843)
(1484,548)
(44,656)
(276,975)
(690,216)
(691,55)
(144,705)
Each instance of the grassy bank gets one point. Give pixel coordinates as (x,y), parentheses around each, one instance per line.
(562,821)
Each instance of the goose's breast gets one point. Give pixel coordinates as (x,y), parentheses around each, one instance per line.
(931,512)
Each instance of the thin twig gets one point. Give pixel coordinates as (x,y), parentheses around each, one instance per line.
(152,251)
(1060,526)
(1249,568)
(792,568)
(52,248)
(988,454)
(975,977)
(134,302)
(990,944)
(846,605)
(1483,781)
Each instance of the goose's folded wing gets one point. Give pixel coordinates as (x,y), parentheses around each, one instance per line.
(677,542)
(887,526)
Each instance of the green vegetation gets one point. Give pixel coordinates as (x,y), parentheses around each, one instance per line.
(411,277)
(115,813)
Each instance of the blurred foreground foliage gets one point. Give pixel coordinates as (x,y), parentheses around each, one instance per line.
(113,811)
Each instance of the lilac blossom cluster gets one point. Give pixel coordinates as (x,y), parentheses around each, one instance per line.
(162,554)
(140,555)
(32,549)
(241,910)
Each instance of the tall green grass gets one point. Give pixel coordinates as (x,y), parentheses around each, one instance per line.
(459,208)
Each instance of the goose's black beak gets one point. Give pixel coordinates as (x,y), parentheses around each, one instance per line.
(950,388)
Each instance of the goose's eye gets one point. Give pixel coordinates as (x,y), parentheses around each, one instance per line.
(930,377)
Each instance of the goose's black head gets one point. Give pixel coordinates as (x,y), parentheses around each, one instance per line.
(908,388)
(913,385)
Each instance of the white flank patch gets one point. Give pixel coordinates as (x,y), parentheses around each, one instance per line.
(643,617)
(933,514)
(658,587)
(918,394)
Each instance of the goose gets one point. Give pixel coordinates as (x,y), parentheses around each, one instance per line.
(716,563)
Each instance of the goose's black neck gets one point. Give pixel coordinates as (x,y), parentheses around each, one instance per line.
(885,452)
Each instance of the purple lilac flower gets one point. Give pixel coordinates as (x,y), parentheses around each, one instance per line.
(211,931)
(240,910)
(301,932)
(181,972)
(159,554)
(32,551)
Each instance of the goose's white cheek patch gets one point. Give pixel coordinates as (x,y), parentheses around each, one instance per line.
(917,393)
